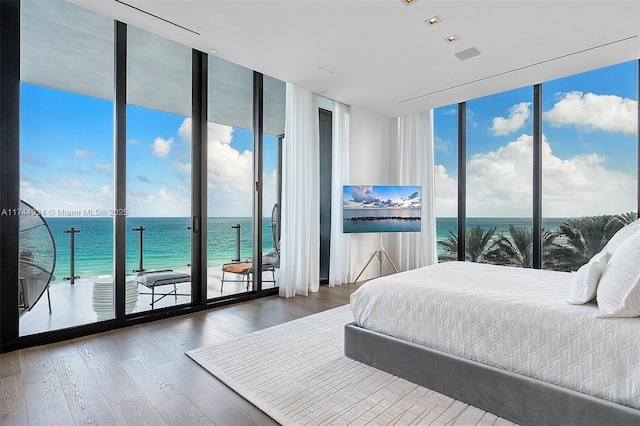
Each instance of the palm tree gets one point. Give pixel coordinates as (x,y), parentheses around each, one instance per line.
(585,237)
(517,249)
(627,218)
(477,240)
(514,250)
(450,245)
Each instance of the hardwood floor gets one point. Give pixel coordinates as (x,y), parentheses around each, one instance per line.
(140,375)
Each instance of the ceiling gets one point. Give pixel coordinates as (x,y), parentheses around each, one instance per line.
(381,56)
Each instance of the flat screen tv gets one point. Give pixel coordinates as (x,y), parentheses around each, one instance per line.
(380,208)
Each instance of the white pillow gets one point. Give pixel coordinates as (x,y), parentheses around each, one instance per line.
(585,282)
(621,235)
(618,292)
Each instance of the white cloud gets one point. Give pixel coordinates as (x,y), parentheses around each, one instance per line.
(185,130)
(183,167)
(446,193)
(500,181)
(595,112)
(163,194)
(33,159)
(215,132)
(442,145)
(499,184)
(104,169)
(518,115)
(230,172)
(83,153)
(161,147)
(30,193)
(105,192)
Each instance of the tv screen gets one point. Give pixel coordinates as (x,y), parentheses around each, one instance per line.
(371,208)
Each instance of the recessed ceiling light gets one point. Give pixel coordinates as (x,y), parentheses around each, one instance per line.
(432,21)
(213,51)
(451,38)
(408,2)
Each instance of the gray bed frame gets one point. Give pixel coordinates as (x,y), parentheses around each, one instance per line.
(520,399)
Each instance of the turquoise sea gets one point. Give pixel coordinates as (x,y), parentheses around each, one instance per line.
(166,243)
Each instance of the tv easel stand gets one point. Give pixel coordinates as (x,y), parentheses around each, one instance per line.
(381,253)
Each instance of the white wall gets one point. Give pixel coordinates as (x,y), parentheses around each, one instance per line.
(372,142)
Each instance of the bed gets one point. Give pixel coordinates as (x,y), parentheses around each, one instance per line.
(502,339)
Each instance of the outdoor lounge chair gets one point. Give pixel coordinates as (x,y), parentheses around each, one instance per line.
(270,260)
(245,269)
(153,279)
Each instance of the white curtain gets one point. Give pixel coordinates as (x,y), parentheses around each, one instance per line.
(300,214)
(416,167)
(340,250)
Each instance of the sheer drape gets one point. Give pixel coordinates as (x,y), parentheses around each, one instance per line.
(300,215)
(416,167)
(340,250)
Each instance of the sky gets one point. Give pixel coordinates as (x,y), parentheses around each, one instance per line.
(67,159)
(589,148)
(378,197)
(589,153)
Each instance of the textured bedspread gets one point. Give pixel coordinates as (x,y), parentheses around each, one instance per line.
(511,318)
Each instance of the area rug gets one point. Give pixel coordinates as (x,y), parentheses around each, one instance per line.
(297,374)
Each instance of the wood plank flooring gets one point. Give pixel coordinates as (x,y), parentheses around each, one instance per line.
(140,375)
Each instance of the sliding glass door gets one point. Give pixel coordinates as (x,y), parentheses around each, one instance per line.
(66,166)
(104,160)
(158,172)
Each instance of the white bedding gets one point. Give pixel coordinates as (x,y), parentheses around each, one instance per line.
(512,318)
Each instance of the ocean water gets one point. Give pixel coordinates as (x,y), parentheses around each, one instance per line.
(166,243)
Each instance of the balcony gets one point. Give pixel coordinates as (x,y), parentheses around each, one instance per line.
(72,305)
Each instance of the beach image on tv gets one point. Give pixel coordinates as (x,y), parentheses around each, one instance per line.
(369,208)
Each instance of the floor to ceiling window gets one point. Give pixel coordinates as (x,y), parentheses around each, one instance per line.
(499,179)
(77,142)
(589,151)
(66,165)
(589,161)
(158,171)
(230,176)
(445,130)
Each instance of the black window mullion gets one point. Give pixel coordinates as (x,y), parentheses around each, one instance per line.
(199,101)
(258,155)
(9,170)
(462,179)
(120,166)
(537,176)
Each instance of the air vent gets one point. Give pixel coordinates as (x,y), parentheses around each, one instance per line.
(466,54)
